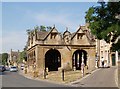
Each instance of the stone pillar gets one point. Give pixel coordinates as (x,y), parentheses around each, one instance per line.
(116,58)
(40,60)
(74,67)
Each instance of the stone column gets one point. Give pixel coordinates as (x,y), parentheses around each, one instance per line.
(116,57)
(74,67)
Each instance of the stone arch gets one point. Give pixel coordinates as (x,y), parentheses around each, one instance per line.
(77,59)
(52,60)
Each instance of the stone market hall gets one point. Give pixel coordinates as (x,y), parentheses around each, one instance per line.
(54,51)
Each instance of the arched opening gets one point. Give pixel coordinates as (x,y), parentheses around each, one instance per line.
(77,58)
(52,60)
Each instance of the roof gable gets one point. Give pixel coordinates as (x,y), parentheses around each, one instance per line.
(53,30)
(83,31)
(78,31)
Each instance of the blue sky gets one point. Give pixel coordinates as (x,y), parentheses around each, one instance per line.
(20,16)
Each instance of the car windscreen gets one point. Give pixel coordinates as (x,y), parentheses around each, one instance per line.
(13,67)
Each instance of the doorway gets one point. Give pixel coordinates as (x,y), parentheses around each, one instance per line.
(52,60)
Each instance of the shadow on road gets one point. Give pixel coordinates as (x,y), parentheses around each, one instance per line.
(5,73)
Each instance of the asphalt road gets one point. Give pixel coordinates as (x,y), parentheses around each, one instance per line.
(13,79)
(100,78)
(0,80)
(104,77)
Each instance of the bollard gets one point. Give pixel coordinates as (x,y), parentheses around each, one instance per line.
(35,74)
(82,71)
(25,71)
(63,74)
(45,73)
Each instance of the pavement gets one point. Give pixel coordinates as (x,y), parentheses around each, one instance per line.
(119,74)
(103,77)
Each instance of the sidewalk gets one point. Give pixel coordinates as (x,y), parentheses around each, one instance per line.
(119,74)
(103,77)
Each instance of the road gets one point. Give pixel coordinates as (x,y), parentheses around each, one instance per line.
(0,80)
(100,78)
(13,79)
(104,77)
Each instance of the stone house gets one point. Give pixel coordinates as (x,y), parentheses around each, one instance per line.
(13,57)
(54,51)
(104,51)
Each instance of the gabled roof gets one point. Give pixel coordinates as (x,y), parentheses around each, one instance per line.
(88,35)
(66,31)
(41,35)
(51,32)
(73,34)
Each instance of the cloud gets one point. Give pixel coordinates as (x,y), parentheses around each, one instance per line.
(63,19)
(15,40)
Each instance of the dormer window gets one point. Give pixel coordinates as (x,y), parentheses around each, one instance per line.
(80,35)
(53,35)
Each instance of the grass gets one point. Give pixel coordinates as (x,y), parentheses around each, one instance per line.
(69,76)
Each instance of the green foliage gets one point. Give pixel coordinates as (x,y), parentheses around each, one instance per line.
(42,28)
(38,28)
(116,46)
(28,31)
(49,28)
(4,58)
(23,56)
(103,23)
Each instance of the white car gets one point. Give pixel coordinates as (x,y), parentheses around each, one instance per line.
(22,67)
(13,69)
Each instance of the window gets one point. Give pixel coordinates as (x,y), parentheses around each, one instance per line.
(53,35)
(101,53)
(34,53)
(80,35)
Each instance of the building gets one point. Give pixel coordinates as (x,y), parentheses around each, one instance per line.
(13,57)
(54,51)
(104,52)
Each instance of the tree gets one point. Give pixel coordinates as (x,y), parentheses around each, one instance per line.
(49,28)
(23,55)
(4,58)
(103,23)
(42,28)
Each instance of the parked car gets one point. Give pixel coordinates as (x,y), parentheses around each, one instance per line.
(2,68)
(22,67)
(13,69)
(7,68)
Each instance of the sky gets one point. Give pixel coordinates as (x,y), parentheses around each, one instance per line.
(17,17)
